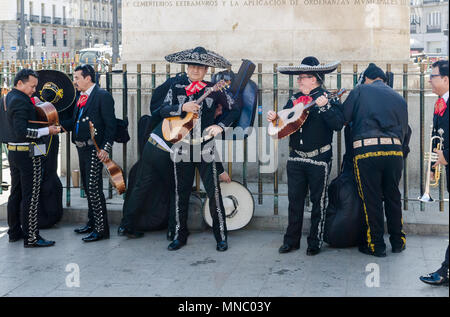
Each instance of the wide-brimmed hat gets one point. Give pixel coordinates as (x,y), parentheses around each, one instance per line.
(199,56)
(309,65)
(238,203)
(55,87)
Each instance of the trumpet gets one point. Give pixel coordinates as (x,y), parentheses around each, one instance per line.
(432,157)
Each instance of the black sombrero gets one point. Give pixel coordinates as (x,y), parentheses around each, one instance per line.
(55,87)
(309,65)
(199,56)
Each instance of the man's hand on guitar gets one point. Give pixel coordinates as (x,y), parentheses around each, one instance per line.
(103,156)
(53,129)
(271,115)
(214,130)
(322,101)
(191,107)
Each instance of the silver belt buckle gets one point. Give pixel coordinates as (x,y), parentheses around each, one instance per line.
(79,144)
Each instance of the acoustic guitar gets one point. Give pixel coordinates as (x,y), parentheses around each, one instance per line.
(176,128)
(290,120)
(115,173)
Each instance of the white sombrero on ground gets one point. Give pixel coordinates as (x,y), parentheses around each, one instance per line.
(199,56)
(238,203)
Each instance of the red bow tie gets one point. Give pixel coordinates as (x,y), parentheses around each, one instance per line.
(303,99)
(194,87)
(82,101)
(440,106)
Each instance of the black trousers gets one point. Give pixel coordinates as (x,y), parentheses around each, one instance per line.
(184,173)
(378,170)
(91,177)
(304,172)
(26,178)
(156,169)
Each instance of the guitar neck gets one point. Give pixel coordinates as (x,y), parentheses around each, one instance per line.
(206,94)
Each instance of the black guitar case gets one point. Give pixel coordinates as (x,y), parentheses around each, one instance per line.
(343,224)
(50,208)
(243,92)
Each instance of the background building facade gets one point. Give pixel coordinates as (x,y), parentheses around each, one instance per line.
(56,28)
(429,26)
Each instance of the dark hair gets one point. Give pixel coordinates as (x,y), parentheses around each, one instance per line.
(87,70)
(23,75)
(443,67)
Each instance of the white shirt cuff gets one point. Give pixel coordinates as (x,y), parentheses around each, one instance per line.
(43,132)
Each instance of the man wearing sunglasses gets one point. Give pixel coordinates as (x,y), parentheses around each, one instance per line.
(309,162)
(439,83)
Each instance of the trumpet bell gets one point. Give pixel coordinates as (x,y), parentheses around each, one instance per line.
(426,198)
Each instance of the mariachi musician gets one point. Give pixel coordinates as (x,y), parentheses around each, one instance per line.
(309,162)
(25,153)
(94,105)
(180,100)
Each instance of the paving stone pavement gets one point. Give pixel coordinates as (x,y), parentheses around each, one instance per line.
(252,267)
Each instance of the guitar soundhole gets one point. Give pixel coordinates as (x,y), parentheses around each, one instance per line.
(291,115)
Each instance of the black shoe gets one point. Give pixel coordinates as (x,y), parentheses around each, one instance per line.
(85,229)
(175,245)
(134,234)
(121,231)
(378,253)
(95,236)
(312,251)
(434,279)
(285,248)
(40,243)
(398,249)
(222,246)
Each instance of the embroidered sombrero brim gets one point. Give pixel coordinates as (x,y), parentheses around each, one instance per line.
(203,57)
(55,87)
(296,70)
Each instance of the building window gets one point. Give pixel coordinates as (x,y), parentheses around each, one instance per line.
(54,37)
(31,37)
(44,34)
(65,37)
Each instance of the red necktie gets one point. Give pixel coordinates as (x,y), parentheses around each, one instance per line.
(33,101)
(303,99)
(194,87)
(440,106)
(82,101)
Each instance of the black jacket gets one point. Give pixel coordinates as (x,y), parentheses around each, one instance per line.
(20,111)
(441,122)
(99,109)
(176,97)
(317,130)
(376,110)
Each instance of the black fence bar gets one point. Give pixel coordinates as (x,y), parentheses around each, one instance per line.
(124,117)
(405,160)
(422,132)
(275,108)
(260,111)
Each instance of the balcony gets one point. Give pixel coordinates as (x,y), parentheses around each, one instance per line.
(46,20)
(57,21)
(413,28)
(34,18)
(434,29)
(25,17)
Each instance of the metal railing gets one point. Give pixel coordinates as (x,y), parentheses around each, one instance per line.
(122,78)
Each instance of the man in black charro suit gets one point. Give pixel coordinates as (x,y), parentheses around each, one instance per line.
(96,105)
